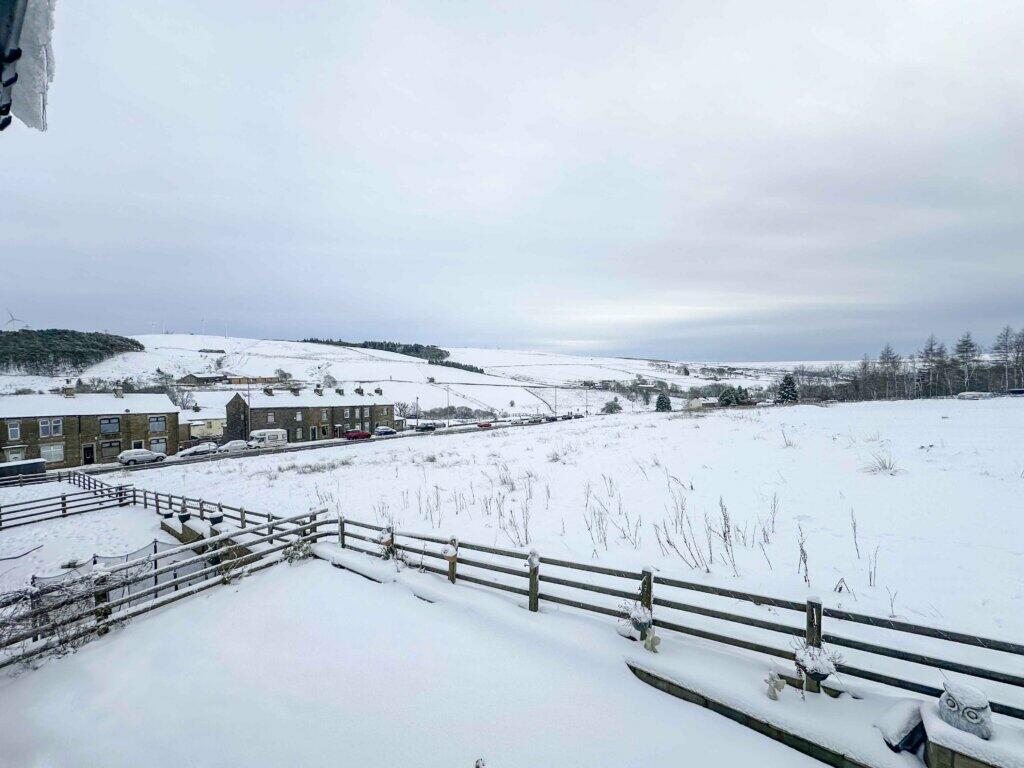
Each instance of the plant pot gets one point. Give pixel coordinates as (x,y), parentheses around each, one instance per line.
(184,517)
(166,514)
(216,519)
(818,677)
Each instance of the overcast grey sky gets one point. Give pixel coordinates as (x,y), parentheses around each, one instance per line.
(748,181)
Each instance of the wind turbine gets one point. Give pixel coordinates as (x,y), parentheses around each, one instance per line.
(12,319)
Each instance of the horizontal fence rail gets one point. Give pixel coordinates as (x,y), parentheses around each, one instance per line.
(652,591)
(64,609)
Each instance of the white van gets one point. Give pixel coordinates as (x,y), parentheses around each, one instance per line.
(268,438)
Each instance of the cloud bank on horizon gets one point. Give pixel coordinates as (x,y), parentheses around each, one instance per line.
(736,181)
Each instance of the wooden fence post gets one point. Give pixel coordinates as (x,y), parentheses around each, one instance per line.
(241,517)
(1,516)
(647,589)
(63,504)
(202,510)
(813,638)
(453,559)
(534,564)
(102,596)
(341,531)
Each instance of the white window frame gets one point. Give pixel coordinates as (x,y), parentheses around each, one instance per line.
(323,414)
(346,413)
(158,440)
(14,430)
(270,417)
(101,447)
(298,415)
(298,434)
(158,417)
(51,448)
(109,419)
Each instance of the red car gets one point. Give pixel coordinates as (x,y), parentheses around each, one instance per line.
(485,425)
(356,434)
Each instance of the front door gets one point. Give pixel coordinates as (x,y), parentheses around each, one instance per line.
(88,454)
(312,433)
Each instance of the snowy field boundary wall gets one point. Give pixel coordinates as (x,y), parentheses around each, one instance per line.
(649,590)
(96,495)
(75,477)
(65,613)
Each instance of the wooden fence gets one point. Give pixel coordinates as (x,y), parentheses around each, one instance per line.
(532,579)
(97,496)
(67,611)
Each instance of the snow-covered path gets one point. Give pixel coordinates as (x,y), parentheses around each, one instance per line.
(309,665)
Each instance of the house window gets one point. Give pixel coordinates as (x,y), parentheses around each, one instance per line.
(13,431)
(52,452)
(298,415)
(110,426)
(158,445)
(110,448)
(137,444)
(270,417)
(323,415)
(298,433)
(157,423)
(346,413)
(323,430)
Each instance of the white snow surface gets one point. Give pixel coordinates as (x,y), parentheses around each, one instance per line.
(310,665)
(534,381)
(106,532)
(940,532)
(23,406)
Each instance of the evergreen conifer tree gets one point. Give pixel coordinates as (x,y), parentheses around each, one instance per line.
(787,389)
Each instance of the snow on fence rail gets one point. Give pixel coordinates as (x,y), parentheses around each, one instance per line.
(81,479)
(64,612)
(654,592)
(97,496)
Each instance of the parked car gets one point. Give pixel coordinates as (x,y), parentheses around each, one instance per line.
(566,417)
(537,420)
(577,415)
(485,425)
(268,438)
(519,420)
(202,449)
(383,431)
(550,418)
(357,434)
(233,446)
(425,427)
(139,456)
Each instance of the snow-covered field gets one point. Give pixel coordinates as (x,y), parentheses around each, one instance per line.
(939,533)
(106,532)
(309,665)
(534,381)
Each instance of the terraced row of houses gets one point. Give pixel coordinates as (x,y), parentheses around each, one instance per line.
(68,429)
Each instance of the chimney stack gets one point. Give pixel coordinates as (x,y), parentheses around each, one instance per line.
(118,392)
(269,391)
(67,390)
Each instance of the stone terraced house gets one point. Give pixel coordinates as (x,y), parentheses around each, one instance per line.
(306,415)
(68,430)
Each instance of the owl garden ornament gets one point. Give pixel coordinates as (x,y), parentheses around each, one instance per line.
(966,709)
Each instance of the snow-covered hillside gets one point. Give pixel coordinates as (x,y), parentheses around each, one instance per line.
(515,381)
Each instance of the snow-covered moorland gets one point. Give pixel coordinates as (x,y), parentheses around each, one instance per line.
(908,509)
